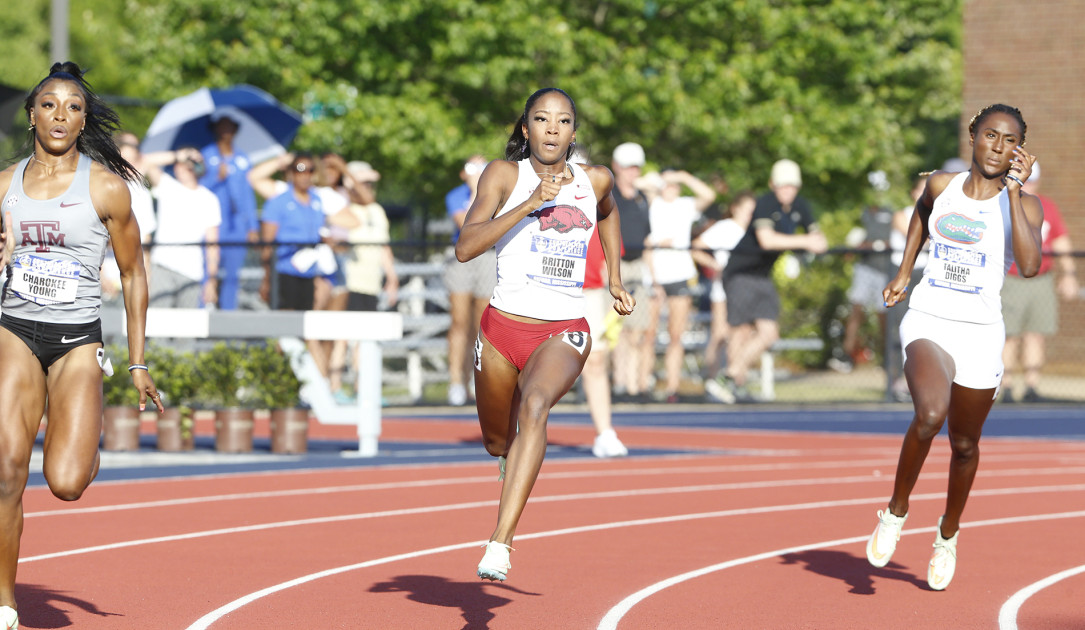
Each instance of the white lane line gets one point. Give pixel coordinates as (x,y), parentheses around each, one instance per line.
(553,475)
(1007,615)
(553,499)
(615,614)
(205,622)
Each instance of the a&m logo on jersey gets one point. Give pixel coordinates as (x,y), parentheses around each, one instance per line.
(960,229)
(41,234)
(563,219)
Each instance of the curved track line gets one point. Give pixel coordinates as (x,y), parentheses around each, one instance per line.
(1007,615)
(561,475)
(615,614)
(544,499)
(205,621)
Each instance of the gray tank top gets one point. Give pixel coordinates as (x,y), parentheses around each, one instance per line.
(60,244)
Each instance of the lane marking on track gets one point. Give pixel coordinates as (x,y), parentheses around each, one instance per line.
(625,473)
(1007,615)
(615,614)
(213,616)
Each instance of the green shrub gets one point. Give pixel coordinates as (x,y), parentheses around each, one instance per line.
(269,378)
(117,390)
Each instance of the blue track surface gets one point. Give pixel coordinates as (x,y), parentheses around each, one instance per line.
(1057,422)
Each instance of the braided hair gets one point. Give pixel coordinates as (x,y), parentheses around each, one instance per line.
(96,139)
(517,147)
(999,109)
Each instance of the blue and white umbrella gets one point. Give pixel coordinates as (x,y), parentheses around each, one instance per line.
(266,126)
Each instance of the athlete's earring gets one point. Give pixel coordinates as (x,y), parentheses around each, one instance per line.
(30,128)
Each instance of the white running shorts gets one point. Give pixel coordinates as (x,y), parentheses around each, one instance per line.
(976,348)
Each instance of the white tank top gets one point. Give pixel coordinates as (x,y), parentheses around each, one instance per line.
(970,252)
(541,261)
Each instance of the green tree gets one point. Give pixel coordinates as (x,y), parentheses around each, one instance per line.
(841,86)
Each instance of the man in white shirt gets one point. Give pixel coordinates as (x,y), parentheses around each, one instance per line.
(184,259)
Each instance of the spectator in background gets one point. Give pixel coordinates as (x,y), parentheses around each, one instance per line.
(670,263)
(370,265)
(295,219)
(712,249)
(1031,307)
(184,274)
(632,349)
(470,285)
(226,177)
(869,275)
(142,210)
(754,305)
(595,376)
(142,203)
(330,291)
(898,236)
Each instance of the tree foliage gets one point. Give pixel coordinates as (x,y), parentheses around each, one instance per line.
(841,86)
(415,86)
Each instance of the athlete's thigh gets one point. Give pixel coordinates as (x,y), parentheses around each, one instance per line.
(74,384)
(22,397)
(495,389)
(555,365)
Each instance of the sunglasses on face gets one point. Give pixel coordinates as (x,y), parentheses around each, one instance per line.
(302,167)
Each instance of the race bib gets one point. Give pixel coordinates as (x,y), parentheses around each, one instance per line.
(956,268)
(44,281)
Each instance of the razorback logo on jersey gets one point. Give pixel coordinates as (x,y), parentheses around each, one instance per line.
(562,219)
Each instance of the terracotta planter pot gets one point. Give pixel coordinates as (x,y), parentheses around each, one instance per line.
(120,429)
(233,430)
(289,430)
(171,436)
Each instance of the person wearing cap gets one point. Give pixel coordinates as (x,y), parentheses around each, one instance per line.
(632,351)
(753,302)
(370,267)
(226,176)
(1031,307)
(184,272)
(469,284)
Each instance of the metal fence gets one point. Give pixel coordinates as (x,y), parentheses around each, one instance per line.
(797,370)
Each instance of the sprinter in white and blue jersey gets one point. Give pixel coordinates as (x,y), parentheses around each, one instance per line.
(978,222)
(60,207)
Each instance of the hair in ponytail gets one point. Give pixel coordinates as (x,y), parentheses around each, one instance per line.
(96,139)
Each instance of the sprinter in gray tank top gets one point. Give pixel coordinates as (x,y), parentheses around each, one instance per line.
(60,207)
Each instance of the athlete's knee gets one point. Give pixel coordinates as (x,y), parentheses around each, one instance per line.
(68,483)
(964,447)
(929,420)
(534,409)
(14,471)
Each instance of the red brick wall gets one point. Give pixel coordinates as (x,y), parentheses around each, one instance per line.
(1032,56)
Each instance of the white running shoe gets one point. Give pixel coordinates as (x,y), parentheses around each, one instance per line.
(457,395)
(9,619)
(501,467)
(607,444)
(495,563)
(719,392)
(943,560)
(883,542)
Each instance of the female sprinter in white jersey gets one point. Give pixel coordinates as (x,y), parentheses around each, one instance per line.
(978,223)
(539,209)
(61,206)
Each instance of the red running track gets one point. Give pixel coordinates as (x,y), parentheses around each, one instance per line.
(770,535)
